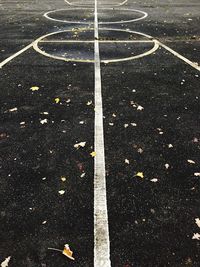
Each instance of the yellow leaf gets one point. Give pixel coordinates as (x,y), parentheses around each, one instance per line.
(67,252)
(34,88)
(93,154)
(57,100)
(63,178)
(140,174)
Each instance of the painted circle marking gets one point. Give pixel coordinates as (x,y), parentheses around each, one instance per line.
(143,16)
(148,52)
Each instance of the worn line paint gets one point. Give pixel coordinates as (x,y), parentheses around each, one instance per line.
(100,41)
(88,4)
(4,62)
(41,39)
(144,15)
(176,54)
(101,231)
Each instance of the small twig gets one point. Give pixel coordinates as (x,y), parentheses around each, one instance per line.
(55,249)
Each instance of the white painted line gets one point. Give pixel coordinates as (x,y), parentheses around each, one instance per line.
(148,40)
(192,64)
(101,231)
(4,62)
(89,4)
(100,41)
(143,16)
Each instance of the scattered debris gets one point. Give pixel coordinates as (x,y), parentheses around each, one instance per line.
(83,174)
(44,121)
(197,221)
(196,236)
(57,100)
(89,103)
(66,251)
(63,178)
(133,124)
(154,180)
(12,109)
(167,166)
(197,174)
(93,154)
(191,161)
(125,125)
(140,174)
(81,144)
(44,222)
(170,146)
(61,192)
(140,150)
(127,161)
(34,88)
(5,262)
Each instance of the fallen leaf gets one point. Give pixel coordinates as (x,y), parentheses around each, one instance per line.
(81,144)
(34,88)
(170,145)
(5,262)
(61,192)
(44,121)
(167,166)
(83,174)
(196,236)
(12,109)
(67,252)
(154,180)
(63,178)
(197,221)
(191,161)
(140,108)
(93,154)
(140,150)
(140,174)
(57,100)
(89,103)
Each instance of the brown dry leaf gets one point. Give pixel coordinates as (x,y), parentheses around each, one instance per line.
(67,252)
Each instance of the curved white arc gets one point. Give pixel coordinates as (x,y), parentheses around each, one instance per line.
(149,52)
(88,4)
(144,15)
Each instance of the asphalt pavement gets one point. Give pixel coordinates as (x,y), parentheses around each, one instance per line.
(151,113)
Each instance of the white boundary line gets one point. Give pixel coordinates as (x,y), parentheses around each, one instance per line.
(101,231)
(176,54)
(4,62)
(89,4)
(144,15)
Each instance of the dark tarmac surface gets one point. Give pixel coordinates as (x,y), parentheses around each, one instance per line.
(151,125)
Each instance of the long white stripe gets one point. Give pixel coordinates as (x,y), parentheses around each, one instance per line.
(4,62)
(101,232)
(192,64)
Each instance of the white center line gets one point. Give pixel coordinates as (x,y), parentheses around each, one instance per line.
(101,231)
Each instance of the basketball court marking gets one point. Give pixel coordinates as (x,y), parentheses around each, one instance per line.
(48,16)
(148,52)
(101,231)
(89,4)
